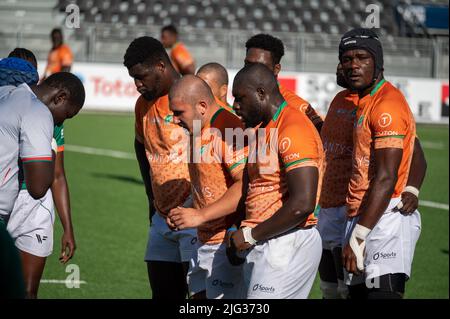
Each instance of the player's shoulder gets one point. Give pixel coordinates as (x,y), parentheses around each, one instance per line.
(390,98)
(224,119)
(293,99)
(64,48)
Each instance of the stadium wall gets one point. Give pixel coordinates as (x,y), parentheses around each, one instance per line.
(109,88)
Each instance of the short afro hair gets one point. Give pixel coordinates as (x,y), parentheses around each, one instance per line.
(170,28)
(146,50)
(268,43)
(69,82)
(24,54)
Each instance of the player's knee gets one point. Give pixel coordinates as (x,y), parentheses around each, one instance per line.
(329,290)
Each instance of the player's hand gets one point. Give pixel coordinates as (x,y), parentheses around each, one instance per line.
(237,238)
(349,260)
(410,203)
(183,217)
(171,225)
(68,247)
(231,251)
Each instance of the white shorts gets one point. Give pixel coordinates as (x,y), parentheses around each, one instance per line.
(210,270)
(389,246)
(331,226)
(165,244)
(283,267)
(31,224)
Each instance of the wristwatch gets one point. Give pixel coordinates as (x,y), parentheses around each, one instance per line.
(247,232)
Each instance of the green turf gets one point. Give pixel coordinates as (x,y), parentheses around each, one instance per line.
(111,223)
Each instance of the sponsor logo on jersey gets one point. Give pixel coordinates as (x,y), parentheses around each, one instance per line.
(385,120)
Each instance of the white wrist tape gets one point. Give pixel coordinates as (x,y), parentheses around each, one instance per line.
(247,232)
(359,232)
(412,190)
(54,146)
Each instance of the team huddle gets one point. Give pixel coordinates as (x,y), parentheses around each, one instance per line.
(251,200)
(248,200)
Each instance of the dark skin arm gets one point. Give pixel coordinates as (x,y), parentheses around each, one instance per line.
(314,117)
(60,191)
(302,187)
(416,176)
(387,162)
(38,177)
(144,167)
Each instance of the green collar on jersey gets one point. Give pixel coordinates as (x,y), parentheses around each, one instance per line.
(213,118)
(375,89)
(280,108)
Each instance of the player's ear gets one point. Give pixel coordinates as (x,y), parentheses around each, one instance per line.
(202,107)
(223,90)
(60,97)
(277,69)
(161,66)
(261,93)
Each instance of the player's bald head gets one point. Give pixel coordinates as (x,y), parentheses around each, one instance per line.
(191,89)
(216,71)
(256,76)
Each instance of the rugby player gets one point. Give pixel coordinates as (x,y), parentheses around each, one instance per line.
(60,57)
(380,241)
(278,238)
(268,50)
(216,179)
(29,114)
(180,57)
(165,175)
(59,190)
(216,76)
(337,137)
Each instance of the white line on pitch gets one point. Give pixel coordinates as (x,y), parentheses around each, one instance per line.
(56,281)
(99,151)
(433,204)
(433,145)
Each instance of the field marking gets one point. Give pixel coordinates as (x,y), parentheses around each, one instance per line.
(99,151)
(125,155)
(56,281)
(433,204)
(433,145)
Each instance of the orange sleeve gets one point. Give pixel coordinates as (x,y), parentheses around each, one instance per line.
(139,119)
(182,56)
(389,123)
(298,144)
(65,56)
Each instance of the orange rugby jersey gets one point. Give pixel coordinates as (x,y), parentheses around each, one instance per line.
(165,148)
(294,100)
(59,57)
(180,56)
(337,139)
(221,161)
(297,145)
(383,120)
(226,106)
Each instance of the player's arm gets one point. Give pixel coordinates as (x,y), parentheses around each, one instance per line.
(60,191)
(35,150)
(314,117)
(188,69)
(183,218)
(417,171)
(38,176)
(144,167)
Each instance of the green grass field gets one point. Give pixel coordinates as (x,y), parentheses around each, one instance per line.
(110,216)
